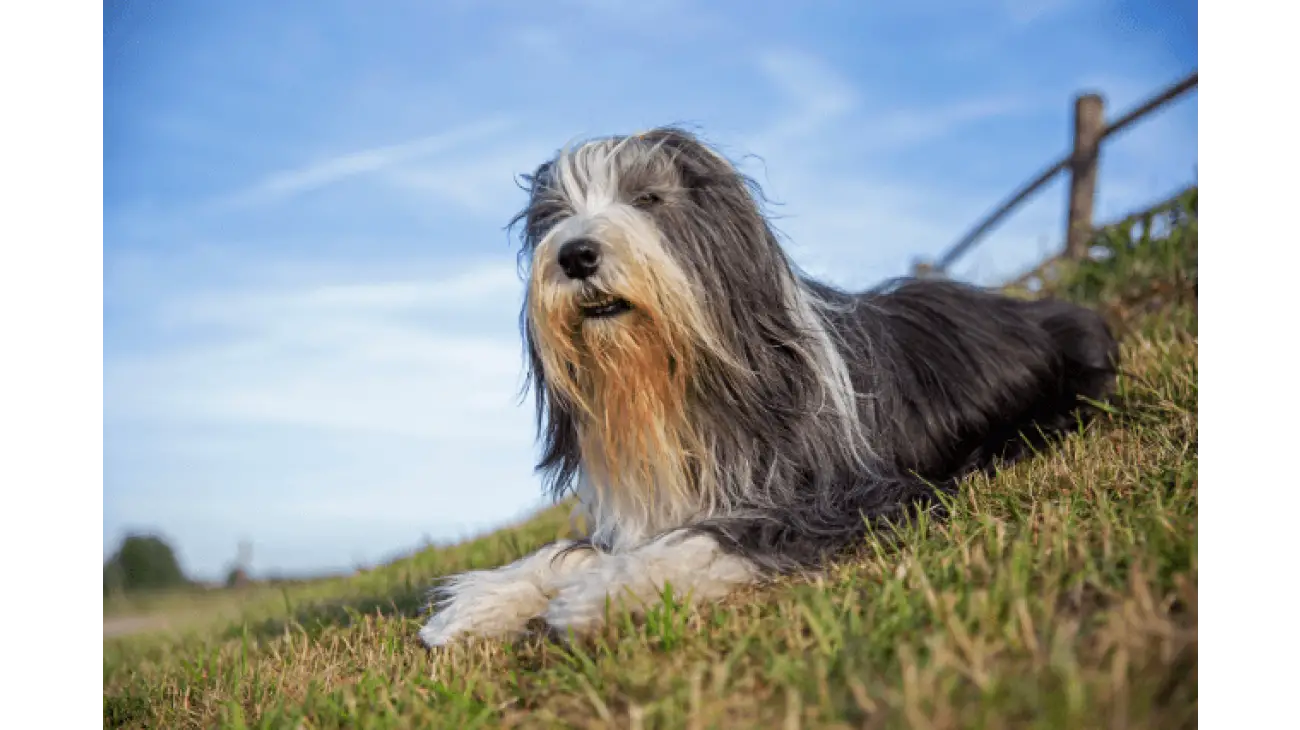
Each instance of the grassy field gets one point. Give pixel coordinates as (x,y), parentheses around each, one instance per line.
(1060,594)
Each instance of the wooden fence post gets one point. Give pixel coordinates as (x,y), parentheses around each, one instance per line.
(1089,123)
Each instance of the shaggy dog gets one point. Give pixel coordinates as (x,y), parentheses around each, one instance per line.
(723,418)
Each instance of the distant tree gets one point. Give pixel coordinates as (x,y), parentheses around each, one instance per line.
(236,578)
(143,562)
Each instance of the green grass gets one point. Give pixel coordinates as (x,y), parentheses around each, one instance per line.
(1060,594)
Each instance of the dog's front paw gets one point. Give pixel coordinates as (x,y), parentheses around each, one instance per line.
(579,610)
(485,605)
(583,602)
(444,627)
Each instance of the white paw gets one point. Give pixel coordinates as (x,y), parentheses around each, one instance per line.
(636,581)
(482,605)
(580,605)
(442,629)
(452,621)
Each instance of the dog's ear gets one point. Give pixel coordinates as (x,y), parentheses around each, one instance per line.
(537,180)
(532,183)
(697,162)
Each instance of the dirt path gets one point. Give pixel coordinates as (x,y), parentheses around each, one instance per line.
(126,625)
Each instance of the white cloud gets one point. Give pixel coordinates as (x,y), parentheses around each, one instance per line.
(823,108)
(906,127)
(816,94)
(849,222)
(363,355)
(484,183)
(360,297)
(287,183)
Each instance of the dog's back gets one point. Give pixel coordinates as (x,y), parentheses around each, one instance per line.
(976,377)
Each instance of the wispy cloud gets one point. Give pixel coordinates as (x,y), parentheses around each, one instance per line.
(368,355)
(284,184)
(823,109)
(854,224)
(482,183)
(814,94)
(906,127)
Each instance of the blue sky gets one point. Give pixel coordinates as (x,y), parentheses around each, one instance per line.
(310,301)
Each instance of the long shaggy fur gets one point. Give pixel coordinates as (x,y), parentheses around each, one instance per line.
(735,415)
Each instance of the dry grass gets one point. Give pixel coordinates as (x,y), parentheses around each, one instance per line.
(1061,594)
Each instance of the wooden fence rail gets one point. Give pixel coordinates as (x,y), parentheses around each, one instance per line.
(1044,271)
(1090,130)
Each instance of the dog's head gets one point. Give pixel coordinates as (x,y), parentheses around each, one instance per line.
(661,313)
(642,252)
(650,268)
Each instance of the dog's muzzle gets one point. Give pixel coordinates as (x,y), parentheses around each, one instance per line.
(579,258)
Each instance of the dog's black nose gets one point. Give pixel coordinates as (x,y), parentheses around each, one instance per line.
(580,258)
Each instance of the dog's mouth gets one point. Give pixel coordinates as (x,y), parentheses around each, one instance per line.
(604,306)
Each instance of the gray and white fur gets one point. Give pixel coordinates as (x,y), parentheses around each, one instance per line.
(723,418)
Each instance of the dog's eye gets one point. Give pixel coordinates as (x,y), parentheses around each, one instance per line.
(647,199)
